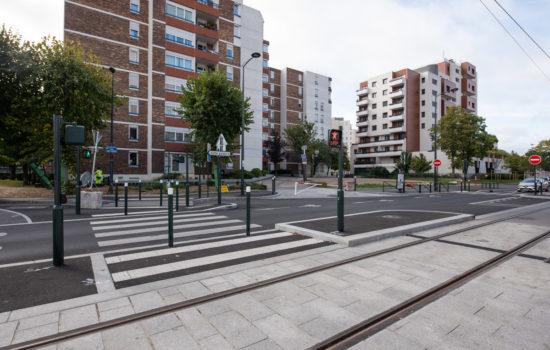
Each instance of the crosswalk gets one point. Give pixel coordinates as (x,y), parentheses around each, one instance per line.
(202,241)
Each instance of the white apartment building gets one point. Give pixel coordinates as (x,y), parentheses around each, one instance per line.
(317,102)
(348,133)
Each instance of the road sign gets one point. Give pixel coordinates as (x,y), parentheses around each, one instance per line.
(304,158)
(224,189)
(534,159)
(334,138)
(219,153)
(111,149)
(437,162)
(304,148)
(220,145)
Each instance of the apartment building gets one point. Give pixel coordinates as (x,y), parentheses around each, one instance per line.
(154,48)
(348,133)
(396,110)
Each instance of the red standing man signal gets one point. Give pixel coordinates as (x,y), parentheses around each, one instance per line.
(334,138)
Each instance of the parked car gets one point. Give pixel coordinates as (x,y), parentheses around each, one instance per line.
(528,185)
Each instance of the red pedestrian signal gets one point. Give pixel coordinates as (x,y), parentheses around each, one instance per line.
(334,138)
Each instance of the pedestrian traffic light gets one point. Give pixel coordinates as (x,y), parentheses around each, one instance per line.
(86,154)
(334,138)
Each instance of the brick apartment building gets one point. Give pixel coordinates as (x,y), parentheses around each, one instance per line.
(155,46)
(396,111)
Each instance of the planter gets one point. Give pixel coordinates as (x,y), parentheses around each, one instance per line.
(91,200)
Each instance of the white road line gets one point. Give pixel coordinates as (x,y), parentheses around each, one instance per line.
(494,200)
(29,221)
(180,265)
(2,234)
(147,218)
(134,213)
(155,223)
(102,276)
(190,248)
(163,228)
(176,235)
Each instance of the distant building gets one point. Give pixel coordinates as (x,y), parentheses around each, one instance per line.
(396,110)
(348,133)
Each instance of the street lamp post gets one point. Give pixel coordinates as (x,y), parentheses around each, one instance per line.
(435,137)
(252,56)
(112,70)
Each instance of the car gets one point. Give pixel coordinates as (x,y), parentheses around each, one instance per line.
(528,185)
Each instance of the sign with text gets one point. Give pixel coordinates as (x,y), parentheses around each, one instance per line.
(334,138)
(219,153)
(534,159)
(437,162)
(111,149)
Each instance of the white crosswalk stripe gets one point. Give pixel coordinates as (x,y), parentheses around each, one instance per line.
(149,218)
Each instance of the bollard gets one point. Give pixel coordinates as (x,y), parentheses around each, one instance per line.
(248,210)
(125,198)
(170,217)
(419,188)
(177,196)
(116,193)
(447,187)
(355,183)
(430,187)
(439,188)
(490,187)
(187,194)
(200,187)
(273,185)
(469,182)
(139,189)
(161,189)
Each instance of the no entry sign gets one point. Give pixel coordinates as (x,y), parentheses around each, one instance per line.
(437,162)
(535,159)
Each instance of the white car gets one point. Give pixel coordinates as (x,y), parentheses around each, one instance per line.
(528,185)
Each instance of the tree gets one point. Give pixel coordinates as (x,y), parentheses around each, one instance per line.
(346,162)
(213,105)
(275,149)
(404,162)
(301,135)
(463,136)
(543,150)
(420,165)
(516,162)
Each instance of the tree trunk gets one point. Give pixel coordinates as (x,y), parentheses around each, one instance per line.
(25,174)
(304,175)
(13,170)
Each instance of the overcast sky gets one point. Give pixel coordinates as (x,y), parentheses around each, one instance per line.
(352,40)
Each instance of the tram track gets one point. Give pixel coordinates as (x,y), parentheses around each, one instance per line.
(342,339)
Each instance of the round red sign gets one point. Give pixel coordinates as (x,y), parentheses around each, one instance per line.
(535,159)
(437,162)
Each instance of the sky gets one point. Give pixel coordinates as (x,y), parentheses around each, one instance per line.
(353,40)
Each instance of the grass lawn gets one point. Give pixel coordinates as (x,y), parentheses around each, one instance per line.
(11,183)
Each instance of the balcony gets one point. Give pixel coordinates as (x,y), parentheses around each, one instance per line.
(363,91)
(468,87)
(363,102)
(397,116)
(362,123)
(362,134)
(362,113)
(468,70)
(447,87)
(469,103)
(396,93)
(399,81)
(396,129)
(395,106)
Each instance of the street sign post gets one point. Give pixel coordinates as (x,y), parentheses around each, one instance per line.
(219,153)
(437,162)
(220,145)
(111,149)
(535,159)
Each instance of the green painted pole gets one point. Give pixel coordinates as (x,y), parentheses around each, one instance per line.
(116,193)
(355,183)
(535,176)
(340,189)
(200,185)
(161,189)
(248,210)
(178,196)
(273,185)
(139,189)
(219,181)
(77,204)
(170,217)
(125,198)
(187,194)
(57,214)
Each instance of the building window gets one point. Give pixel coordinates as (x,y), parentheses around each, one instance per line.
(423,80)
(374,117)
(384,92)
(433,114)
(434,103)
(272,74)
(134,6)
(265,107)
(423,91)
(272,101)
(385,115)
(374,106)
(229,73)
(272,88)
(134,30)
(373,95)
(266,65)
(237,10)
(172,134)
(423,103)
(316,82)
(133,107)
(179,12)
(300,77)
(172,84)
(423,126)
(373,84)
(133,81)
(434,81)
(132,132)
(374,128)
(300,92)
(265,93)
(384,126)
(237,32)
(133,159)
(322,106)
(134,55)
(423,114)
(266,48)
(434,93)
(229,52)
(171,109)
(265,78)
(299,115)
(384,103)
(299,103)
(272,115)
(179,62)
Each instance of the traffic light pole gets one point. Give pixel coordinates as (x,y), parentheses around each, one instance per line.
(57,214)
(77,200)
(340,189)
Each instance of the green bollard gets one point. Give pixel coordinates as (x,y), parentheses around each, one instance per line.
(116,193)
(200,187)
(125,198)
(170,217)
(177,196)
(355,183)
(248,210)
(161,189)
(273,185)
(187,194)
(139,189)
(430,187)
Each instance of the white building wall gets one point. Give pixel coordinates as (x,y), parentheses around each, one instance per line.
(251,41)
(316,102)
(348,134)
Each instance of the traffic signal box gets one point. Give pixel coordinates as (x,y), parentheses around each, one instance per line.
(334,137)
(86,154)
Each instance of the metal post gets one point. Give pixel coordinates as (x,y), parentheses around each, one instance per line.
(340,189)
(248,210)
(161,189)
(139,189)
(419,188)
(57,213)
(219,182)
(439,184)
(186,168)
(112,113)
(116,193)
(273,185)
(187,194)
(170,217)
(469,185)
(200,174)
(355,183)
(125,198)
(535,176)
(178,196)
(77,204)
(430,187)
(435,143)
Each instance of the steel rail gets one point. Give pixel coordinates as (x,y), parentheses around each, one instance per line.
(66,335)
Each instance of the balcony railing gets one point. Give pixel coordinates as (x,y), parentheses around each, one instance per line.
(208,3)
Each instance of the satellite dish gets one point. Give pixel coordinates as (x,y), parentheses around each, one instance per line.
(85,178)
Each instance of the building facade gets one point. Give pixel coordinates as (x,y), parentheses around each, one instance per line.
(396,110)
(348,133)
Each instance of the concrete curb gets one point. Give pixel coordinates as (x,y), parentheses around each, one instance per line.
(377,235)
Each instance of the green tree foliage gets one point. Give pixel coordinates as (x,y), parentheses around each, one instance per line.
(420,165)
(516,162)
(346,162)
(275,149)
(462,136)
(404,162)
(301,135)
(213,105)
(543,150)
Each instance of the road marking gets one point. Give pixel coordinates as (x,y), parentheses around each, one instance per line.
(359,202)
(176,235)
(147,218)
(494,200)
(29,221)
(2,234)
(180,265)
(134,213)
(102,276)
(190,248)
(310,206)
(385,200)
(163,228)
(152,223)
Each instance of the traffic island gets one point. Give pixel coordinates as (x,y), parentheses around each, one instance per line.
(372,226)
